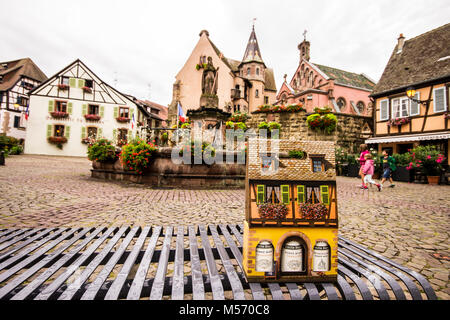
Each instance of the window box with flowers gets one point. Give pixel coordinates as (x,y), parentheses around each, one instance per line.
(275,211)
(122,119)
(59,114)
(86,89)
(92,117)
(398,121)
(322,120)
(63,86)
(313,211)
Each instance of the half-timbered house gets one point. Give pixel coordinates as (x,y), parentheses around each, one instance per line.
(74,106)
(412,96)
(17,78)
(290,200)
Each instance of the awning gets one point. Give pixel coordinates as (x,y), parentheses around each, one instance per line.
(409,137)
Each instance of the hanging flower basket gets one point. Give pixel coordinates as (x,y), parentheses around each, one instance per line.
(92,117)
(87,89)
(122,119)
(59,114)
(63,86)
(272,211)
(313,211)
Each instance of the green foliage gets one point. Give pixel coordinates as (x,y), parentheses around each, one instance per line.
(239,117)
(299,154)
(402,159)
(186,125)
(18,149)
(6,143)
(263,125)
(240,125)
(207,150)
(428,158)
(322,120)
(136,155)
(102,150)
(274,126)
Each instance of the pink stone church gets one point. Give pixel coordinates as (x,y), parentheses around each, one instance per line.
(316,85)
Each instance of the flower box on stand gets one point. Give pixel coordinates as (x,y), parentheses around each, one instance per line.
(59,114)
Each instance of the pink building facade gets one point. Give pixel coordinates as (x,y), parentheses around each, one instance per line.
(315,85)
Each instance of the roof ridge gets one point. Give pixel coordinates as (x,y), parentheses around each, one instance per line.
(322,65)
(432,30)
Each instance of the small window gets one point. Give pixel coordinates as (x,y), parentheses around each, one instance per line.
(61,106)
(59,131)
(124,112)
(256,93)
(257,71)
(341,103)
(317,162)
(64,80)
(439,100)
(360,106)
(88,83)
(248,71)
(22,101)
(16,121)
(92,132)
(93,109)
(384,110)
(266,100)
(122,137)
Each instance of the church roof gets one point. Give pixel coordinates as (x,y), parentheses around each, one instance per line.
(14,70)
(347,78)
(252,52)
(423,58)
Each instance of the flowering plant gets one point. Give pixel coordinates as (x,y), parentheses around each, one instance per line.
(272,210)
(57,140)
(322,120)
(59,114)
(427,158)
(63,86)
(264,108)
(102,150)
(136,155)
(278,109)
(313,210)
(122,119)
(93,117)
(86,89)
(295,108)
(239,117)
(398,121)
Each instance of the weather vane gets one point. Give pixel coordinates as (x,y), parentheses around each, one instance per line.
(254,19)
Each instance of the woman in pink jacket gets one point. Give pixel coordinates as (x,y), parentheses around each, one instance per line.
(364,150)
(368,171)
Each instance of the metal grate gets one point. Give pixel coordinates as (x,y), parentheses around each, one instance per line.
(177,262)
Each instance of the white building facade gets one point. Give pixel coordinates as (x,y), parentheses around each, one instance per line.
(74,106)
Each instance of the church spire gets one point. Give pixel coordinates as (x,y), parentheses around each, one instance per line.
(252,52)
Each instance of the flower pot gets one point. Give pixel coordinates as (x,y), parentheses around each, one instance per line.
(434,180)
(402,174)
(96,164)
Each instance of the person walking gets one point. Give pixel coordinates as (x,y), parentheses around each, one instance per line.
(389,166)
(368,170)
(364,149)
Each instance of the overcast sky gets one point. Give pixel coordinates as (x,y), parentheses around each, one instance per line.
(143,44)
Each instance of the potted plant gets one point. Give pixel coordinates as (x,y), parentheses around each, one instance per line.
(295,108)
(428,159)
(402,173)
(274,126)
(313,211)
(322,120)
(239,117)
(137,155)
(272,211)
(59,114)
(101,152)
(92,117)
(352,166)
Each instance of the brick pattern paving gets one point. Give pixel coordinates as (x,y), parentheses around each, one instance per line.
(408,224)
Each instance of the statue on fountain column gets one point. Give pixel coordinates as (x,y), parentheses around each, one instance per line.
(209,86)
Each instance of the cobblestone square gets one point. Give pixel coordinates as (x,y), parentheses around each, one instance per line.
(408,224)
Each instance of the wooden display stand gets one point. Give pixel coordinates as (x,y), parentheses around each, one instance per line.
(300,243)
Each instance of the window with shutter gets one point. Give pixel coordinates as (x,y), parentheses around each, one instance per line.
(415,107)
(439,101)
(301,194)
(260,194)
(49,130)
(384,109)
(285,194)
(324,195)
(395,108)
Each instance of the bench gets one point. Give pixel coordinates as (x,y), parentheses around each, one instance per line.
(177,262)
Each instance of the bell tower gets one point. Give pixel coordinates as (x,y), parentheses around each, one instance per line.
(304,48)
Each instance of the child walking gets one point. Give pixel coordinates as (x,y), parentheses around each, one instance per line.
(388,167)
(362,160)
(368,171)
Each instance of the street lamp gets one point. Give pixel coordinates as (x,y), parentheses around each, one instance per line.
(411,93)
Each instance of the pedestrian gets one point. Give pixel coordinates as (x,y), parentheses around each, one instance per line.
(389,166)
(364,149)
(368,171)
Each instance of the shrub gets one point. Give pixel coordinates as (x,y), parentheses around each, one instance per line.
(136,155)
(274,126)
(16,150)
(102,150)
(186,125)
(402,159)
(428,158)
(263,125)
(207,149)
(322,120)
(240,125)
(264,108)
(295,108)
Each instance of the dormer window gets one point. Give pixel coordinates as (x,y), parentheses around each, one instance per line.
(88,83)
(317,163)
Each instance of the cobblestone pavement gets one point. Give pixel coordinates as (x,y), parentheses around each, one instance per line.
(408,224)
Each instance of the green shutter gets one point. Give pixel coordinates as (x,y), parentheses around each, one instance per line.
(51,106)
(131,113)
(285,194)
(260,194)
(114,134)
(102,111)
(83,132)
(72,82)
(69,107)
(130,135)
(67,132)
(49,130)
(84,111)
(116,112)
(99,133)
(80,83)
(324,194)
(301,194)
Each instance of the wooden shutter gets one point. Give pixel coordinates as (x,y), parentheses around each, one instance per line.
(285,194)
(83,132)
(69,107)
(67,131)
(102,111)
(324,195)
(415,107)
(116,112)
(99,133)
(80,83)
(51,105)
(72,82)
(384,109)
(301,194)
(260,194)
(114,134)
(84,111)
(439,103)
(49,130)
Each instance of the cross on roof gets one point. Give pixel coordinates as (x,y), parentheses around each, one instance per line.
(304,34)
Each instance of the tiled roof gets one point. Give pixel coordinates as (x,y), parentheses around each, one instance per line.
(347,78)
(291,169)
(421,59)
(16,69)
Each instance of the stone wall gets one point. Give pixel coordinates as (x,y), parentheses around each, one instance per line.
(351,130)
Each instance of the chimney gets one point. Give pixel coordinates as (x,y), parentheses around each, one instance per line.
(204,32)
(401,42)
